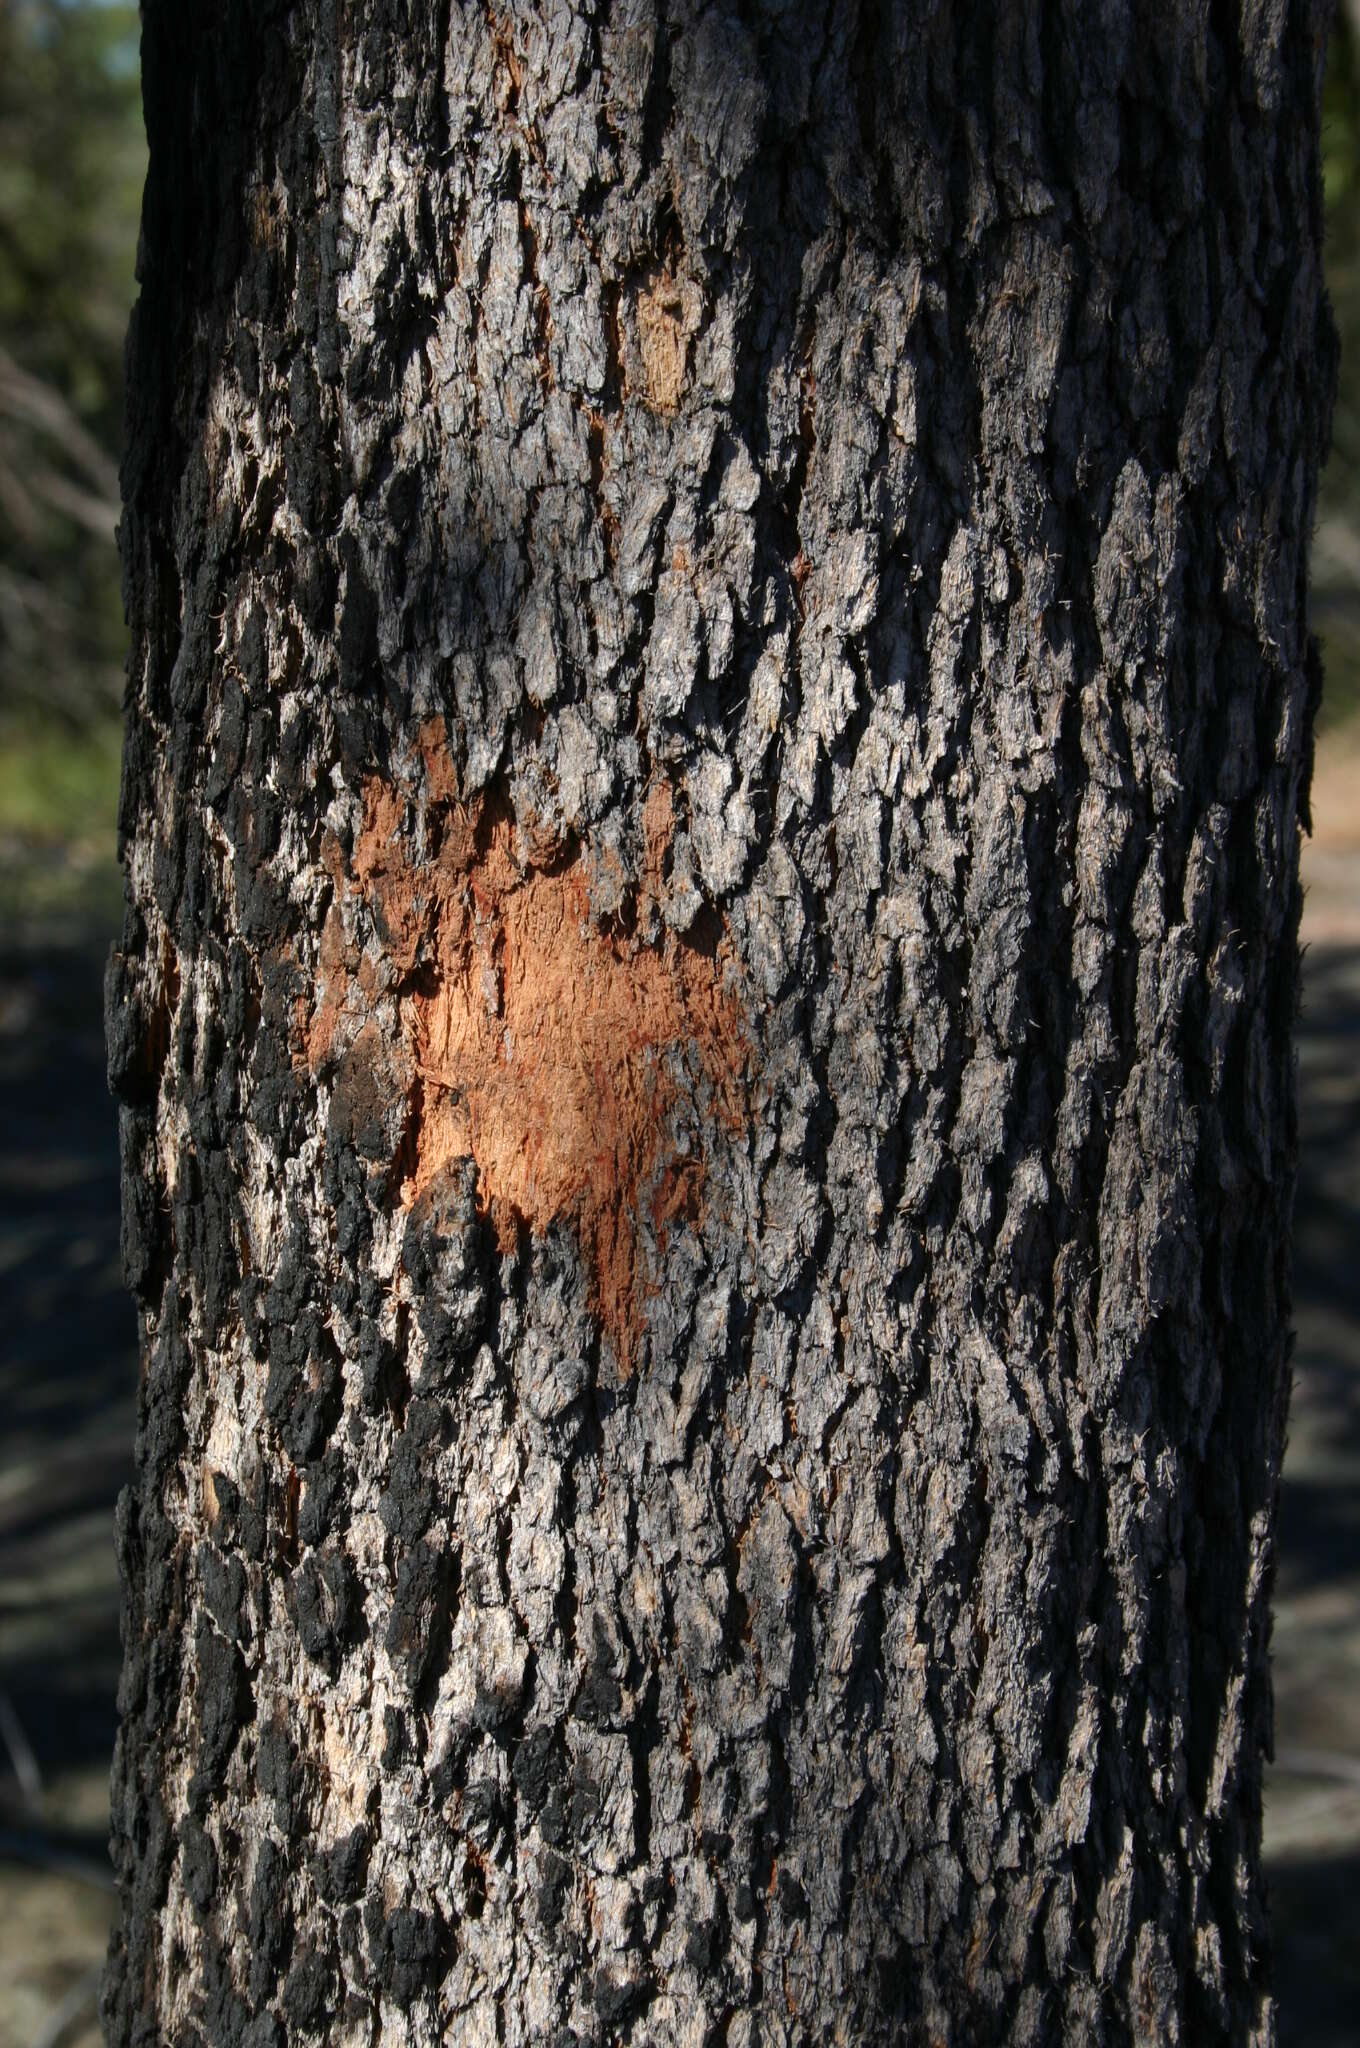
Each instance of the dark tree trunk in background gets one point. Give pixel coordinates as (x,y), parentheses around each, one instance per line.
(718,724)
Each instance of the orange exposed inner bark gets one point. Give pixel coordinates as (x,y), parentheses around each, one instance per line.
(550,1052)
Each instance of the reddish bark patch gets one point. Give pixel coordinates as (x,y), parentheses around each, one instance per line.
(658,833)
(669,313)
(552,1053)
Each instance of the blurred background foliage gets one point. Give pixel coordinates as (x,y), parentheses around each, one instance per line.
(72,162)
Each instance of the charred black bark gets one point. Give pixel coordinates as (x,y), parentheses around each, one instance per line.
(719,716)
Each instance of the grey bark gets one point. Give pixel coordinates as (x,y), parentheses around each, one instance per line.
(718,723)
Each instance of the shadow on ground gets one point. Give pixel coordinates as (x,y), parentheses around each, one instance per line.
(68,1366)
(67,1394)
(1313,1804)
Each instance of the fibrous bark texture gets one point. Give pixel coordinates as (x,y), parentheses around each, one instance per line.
(718,726)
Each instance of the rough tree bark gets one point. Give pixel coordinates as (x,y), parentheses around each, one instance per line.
(718,724)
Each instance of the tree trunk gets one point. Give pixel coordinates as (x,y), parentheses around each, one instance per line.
(718,722)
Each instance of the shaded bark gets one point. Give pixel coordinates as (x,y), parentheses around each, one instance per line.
(718,723)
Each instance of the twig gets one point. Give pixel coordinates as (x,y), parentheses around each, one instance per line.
(20,1751)
(1319,1763)
(37,404)
(77,1998)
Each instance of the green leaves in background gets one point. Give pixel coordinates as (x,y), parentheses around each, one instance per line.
(72,161)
